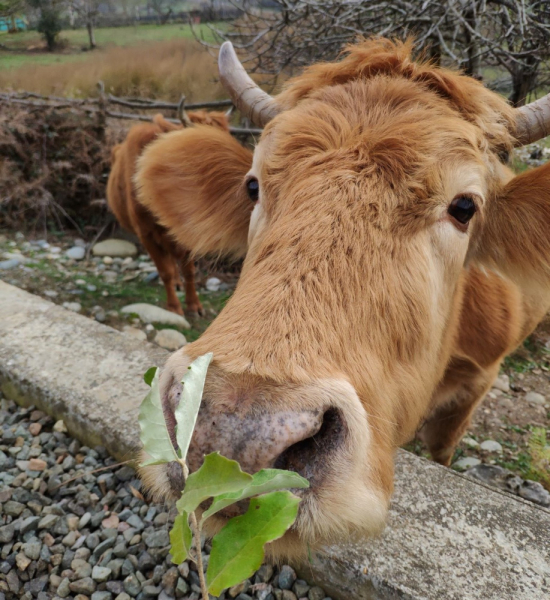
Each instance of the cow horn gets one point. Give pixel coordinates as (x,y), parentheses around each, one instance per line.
(533,121)
(182,114)
(247,96)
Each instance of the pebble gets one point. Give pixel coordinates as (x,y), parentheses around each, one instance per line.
(535,398)
(60,427)
(135,333)
(9,264)
(170,339)
(149,313)
(76,253)
(101,574)
(213,284)
(491,446)
(502,383)
(74,306)
(470,442)
(287,577)
(114,248)
(467,462)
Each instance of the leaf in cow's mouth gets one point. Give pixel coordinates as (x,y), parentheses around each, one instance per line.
(238,549)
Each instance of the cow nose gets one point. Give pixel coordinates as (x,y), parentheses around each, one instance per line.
(256,439)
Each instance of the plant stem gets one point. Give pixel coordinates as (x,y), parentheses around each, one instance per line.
(196,529)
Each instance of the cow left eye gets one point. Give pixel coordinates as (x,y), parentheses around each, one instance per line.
(462,209)
(253,189)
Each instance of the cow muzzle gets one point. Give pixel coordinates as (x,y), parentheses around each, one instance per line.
(299,440)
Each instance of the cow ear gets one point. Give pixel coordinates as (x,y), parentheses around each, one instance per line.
(515,238)
(192,182)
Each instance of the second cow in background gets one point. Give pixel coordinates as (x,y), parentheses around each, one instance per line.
(173,201)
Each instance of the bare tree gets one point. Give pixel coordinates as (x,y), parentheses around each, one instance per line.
(87,11)
(162,8)
(507,34)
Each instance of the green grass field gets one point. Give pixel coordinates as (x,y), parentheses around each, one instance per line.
(27,47)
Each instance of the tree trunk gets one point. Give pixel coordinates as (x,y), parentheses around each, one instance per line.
(524,79)
(91,33)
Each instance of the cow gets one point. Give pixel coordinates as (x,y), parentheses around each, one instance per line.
(394,260)
(174,212)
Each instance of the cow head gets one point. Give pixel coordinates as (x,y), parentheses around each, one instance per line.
(373,183)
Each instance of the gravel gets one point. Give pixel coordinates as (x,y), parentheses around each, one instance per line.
(94,537)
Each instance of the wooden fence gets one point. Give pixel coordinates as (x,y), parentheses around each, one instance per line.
(102,107)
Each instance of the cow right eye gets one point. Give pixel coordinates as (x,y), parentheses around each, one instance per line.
(253,189)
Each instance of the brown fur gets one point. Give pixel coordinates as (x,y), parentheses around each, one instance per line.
(357,273)
(166,223)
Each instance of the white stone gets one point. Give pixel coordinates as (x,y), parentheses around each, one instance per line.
(76,252)
(470,442)
(55,250)
(213,284)
(80,282)
(135,333)
(60,427)
(114,247)
(80,242)
(502,383)
(496,393)
(51,293)
(149,313)
(491,446)
(74,306)
(110,276)
(535,398)
(170,339)
(467,462)
(107,260)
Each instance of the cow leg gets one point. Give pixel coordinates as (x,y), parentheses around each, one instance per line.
(455,405)
(192,302)
(179,282)
(168,272)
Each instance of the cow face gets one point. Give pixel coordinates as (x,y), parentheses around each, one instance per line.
(371,187)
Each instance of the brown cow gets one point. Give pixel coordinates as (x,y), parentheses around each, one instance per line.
(180,210)
(394,261)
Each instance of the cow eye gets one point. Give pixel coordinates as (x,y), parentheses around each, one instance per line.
(253,189)
(462,209)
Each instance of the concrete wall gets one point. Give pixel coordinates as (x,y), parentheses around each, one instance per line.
(448,538)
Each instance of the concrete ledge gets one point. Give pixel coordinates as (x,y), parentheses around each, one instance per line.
(448,538)
(74,368)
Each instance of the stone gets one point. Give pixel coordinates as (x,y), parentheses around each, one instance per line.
(102,596)
(60,427)
(101,574)
(533,491)
(466,462)
(37,464)
(535,398)
(490,474)
(213,284)
(170,339)
(114,248)
(132,586)
(29,524)
(83,586)
(9,264)
(287,577)
(76,253)
(22,561)
(6,533)
(264,574)
(32,550)
(63,589)
(82,569)
(300,588)
(288,595)
(491,446)
(135,333)
(149,313)
(74,306)
(316,593)
(13,509)
(470,442)
(502,383)
(35,429)
(157,539)
(123,596)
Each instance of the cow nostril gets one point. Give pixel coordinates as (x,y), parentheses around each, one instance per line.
(309,456)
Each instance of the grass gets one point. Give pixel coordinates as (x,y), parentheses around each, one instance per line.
(28,46)
(156,69)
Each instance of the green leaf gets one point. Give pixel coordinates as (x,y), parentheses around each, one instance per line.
(191,395)
(154,432)
(217,475)
(266,480)
(150,375)
(238,549)
(181,538)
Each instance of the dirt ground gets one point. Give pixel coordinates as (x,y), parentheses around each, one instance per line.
(506,417)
